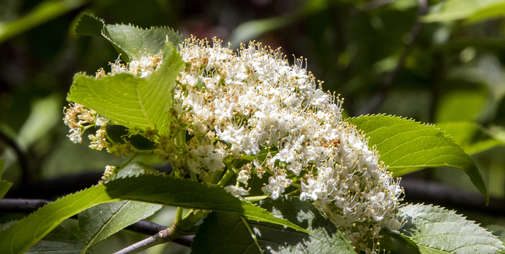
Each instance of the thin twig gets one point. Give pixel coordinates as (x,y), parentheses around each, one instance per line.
(437,193)
(379,98)
(158,238)
(12,205)
(22,158)
(162,236)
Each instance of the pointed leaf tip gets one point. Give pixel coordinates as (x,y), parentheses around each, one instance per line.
(87,24)
(405,146)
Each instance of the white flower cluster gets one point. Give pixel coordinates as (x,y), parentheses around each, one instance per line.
(252,106)
(260,106)
(79,119)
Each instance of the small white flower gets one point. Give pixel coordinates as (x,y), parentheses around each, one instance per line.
(243,176)
(101,121)
(276,185)
(98,141)
(236,191)
(75,135)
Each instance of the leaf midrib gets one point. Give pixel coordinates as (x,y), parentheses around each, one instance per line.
(142,108)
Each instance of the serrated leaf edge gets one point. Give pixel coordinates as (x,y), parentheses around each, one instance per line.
(444,135)
(501,248)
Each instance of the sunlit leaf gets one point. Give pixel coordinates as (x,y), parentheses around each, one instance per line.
(31,229)
(406,146)
(168,191)
(428,250)
(133,41)
(63,240)
(469,10)
(131,101)
(148,188)
(494,10)
(438,230)
(472,137)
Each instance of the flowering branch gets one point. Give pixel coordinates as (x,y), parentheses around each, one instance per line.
(379,98)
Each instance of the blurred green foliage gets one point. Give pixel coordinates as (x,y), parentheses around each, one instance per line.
(452,72)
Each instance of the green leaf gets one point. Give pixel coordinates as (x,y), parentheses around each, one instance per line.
(117,133)
(134,169)
(498,231)
(470,136)
(406,146)
(493,10)
(42,13)
(470,10)
(397,243)
(45,114)
(4,187)
(131,101)
(324,237)
(31,229)
(87,24)
(140,142)
(136,42)
(102,221)
(63,240)
(148,188)
(133,41)
(461,106)
(177,192)
(222,233)
(428,250)
(438,230)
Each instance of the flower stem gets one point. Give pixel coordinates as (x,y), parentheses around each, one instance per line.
(255,198)
(226,177)
(178,216)
(163,236)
